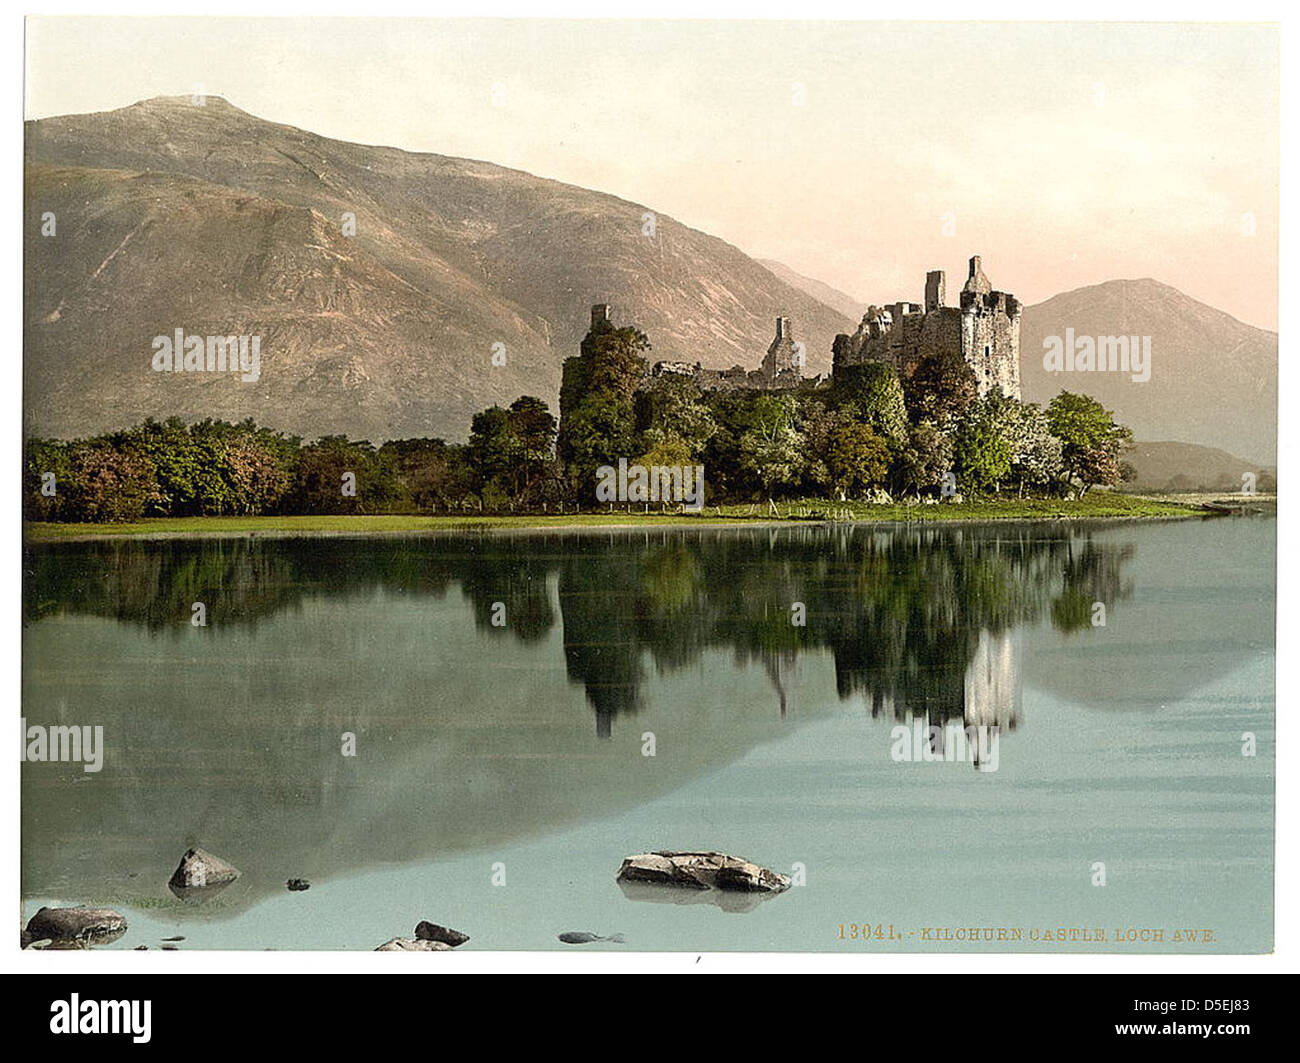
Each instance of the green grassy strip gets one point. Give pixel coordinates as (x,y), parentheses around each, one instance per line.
(1095,506)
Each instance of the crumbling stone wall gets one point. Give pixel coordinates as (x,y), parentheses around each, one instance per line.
(984,330)
(781,368)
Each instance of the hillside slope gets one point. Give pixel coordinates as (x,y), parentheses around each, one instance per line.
(1213,379)
(206,218)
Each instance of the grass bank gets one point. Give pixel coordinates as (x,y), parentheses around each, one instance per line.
(1098,505)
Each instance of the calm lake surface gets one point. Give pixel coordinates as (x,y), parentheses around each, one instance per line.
(503,690)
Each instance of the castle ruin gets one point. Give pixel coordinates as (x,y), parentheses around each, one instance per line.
(984,331)
(782,368)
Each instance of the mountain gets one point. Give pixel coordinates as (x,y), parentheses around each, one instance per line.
(1188,467)
(169,215)
(823,293)
(1213,379)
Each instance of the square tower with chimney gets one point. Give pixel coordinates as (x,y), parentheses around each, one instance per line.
(984,330)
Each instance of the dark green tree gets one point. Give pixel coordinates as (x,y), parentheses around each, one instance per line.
(1092,441)
(939,388)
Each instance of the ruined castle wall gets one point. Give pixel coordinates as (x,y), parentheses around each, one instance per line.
(991,343)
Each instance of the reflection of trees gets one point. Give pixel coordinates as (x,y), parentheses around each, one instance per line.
(919,620)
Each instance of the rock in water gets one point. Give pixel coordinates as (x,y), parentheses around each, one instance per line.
(582,937)
(200,874)
(426,931)
(73,927)
(411,945)
(701,871)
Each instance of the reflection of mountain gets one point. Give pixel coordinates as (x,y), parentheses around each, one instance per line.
(470,734)
(1203,604)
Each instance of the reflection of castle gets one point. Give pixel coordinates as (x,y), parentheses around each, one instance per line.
(992,682)
(981,691)
(921,623)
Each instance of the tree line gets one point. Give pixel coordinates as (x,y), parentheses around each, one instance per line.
(870,434)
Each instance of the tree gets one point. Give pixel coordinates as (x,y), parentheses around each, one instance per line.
(599,432)
(818,421)
(669,452)
(430,472)
(1035,453)
(874,394)
(335,475)
(924,461)
(1092,441)
(257,479)
(858,459)
(110,485)
(772,449)
(44,498)
(491,451)
(672,407)
(981,450)
(939,389)
(532,437)
(189,480)
(597,392)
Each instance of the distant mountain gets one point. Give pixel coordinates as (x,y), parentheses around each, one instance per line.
(169,215)
(1188,467)
(823,293)
(1213,379)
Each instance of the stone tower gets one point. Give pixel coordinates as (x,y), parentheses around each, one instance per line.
(984,330)
(977,282)
(781,355)
(934,290)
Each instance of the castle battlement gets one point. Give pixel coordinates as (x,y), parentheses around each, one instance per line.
(984,330)
(782,368)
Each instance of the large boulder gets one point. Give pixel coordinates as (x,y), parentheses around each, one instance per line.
(200,874)
(701,871)
(74,927)
(426,931)
(413,945)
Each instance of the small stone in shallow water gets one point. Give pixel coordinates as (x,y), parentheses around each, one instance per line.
(200,874)
(79,926)
(412,945)
(426,931)
(582,937)
(701,870)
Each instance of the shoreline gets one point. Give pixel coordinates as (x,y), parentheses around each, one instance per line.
(1111,508)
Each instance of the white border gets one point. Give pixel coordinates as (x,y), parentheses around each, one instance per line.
(1287,885)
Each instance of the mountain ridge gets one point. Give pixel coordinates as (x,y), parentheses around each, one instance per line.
(1185,399)
(484,260)
(1213,378)
(209,218)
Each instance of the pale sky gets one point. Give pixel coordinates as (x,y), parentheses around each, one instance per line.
(1065,155)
